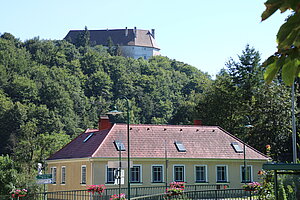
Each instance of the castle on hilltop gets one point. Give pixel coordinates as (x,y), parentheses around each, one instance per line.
(134,43)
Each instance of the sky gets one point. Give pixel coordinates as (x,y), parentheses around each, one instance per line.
(204,34)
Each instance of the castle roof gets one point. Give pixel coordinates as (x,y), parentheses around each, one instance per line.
(121,37)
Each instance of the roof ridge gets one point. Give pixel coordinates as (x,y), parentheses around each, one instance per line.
(170,125)
(105,138)
(114,29)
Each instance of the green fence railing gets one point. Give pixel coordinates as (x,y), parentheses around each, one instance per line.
(106,195)
(236,194)
(225,194)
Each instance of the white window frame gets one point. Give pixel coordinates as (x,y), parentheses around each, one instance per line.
(251,173)
(206,174)
(83,182)
(53,171)
(179,165)
(63,175)
(140,174)
(106,175)
(226,173)
(162,173)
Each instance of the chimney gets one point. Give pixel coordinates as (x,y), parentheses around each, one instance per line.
(153,33)
(135,32)
(197,122)
(126,32)
(104,123)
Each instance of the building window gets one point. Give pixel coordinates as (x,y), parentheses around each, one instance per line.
(83,174)
(136,173)
(179,173)
(53,172)
(110,175)
(222,173)
(248,177)
(201,173)
(63,175)
(157,173)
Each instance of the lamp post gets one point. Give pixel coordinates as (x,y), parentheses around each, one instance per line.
(116,112)
(119,170)
(244,150)
(294,136)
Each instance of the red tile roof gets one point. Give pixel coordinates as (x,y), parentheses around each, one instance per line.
(152,141)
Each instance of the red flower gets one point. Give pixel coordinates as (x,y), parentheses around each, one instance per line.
(96,188)
(260,172)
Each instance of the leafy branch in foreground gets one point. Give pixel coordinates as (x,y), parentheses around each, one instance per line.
(287,58)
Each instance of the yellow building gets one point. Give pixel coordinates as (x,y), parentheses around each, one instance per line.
(161,154)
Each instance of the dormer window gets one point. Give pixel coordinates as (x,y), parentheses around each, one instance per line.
(180,147)
(119,145)
(237,147)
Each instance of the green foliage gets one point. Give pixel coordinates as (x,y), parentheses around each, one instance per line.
(286,59)
(281,192)
(288,185)
(239,96)
(267,186)
(50,91)
(111,47)
(83,39)
(8,175)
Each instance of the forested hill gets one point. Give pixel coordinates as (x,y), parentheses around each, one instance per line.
(52,89)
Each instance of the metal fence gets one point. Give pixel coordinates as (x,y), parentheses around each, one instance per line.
(207,191)
(106,195)
(225,194)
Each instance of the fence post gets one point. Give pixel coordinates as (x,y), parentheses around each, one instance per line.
(45,195)
(216,194)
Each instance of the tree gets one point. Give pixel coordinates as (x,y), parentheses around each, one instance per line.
(220,104)
(22,89)
(51,90)
(287,58)
(111,47)
(238,97)
(117,50)
(91,62)
(83,39)
(270,114)
(99,84)
(246,73)
(8,174)
(15,59)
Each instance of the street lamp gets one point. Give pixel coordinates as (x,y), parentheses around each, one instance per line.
(294,136)
(116,112)
(244,150)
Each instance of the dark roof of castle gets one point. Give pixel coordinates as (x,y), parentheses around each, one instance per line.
(152,141)
(121,37)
